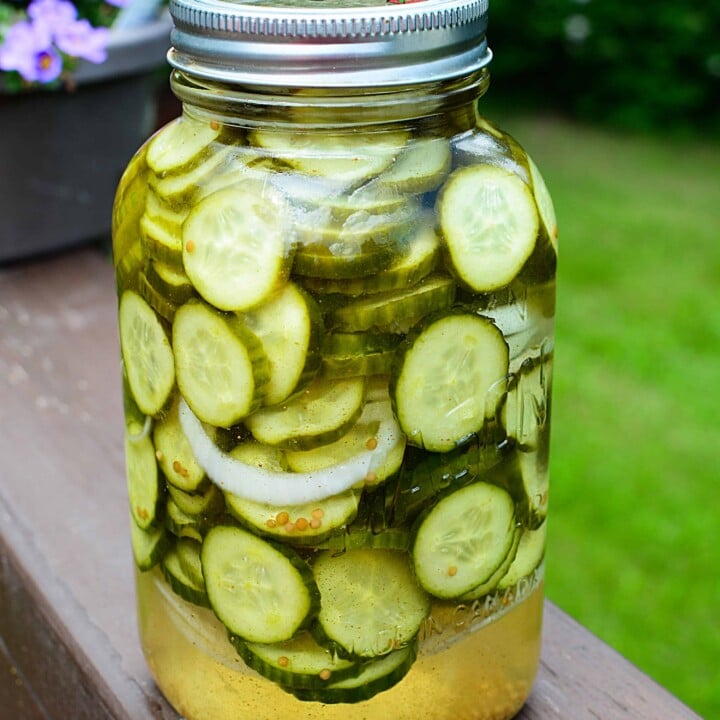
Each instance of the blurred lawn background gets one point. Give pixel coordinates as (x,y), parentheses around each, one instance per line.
(628,138)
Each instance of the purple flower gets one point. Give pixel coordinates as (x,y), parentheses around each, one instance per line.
(51,14)
(27,50)
(80,39)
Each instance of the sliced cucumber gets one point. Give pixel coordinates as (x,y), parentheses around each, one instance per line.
(489,223)
(443,378)
(180,143)
(148,545)
(544,203)
(530,552)
(350,159)
(170,282)
(182,525)
(180,582)
(325,198)
(370,601)
(188,551)
(297,663)
(260,592)
(164,213)
(143,482)
(236,246)
(206,504)
(221,367)
(181,187)
(358,246)
(262,485)
(395,311)
(461,541)
(525,418)
(160,241)
(290,328)
(493,582)
(376,676)
(146,352)
(322,413)
(351,354)
(420,168)
(175,455)
(418,258)
(367,539)
(297,524)
(159,303)
(361,437)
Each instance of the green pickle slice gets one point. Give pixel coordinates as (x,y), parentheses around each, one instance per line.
(489,223)
(221,366)
(228,236)
(347,159)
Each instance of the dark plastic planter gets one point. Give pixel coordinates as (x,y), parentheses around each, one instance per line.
(62,153)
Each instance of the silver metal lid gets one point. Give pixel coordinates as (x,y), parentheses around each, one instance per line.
(329,43)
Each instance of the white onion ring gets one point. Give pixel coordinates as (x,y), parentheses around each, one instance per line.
(284,488)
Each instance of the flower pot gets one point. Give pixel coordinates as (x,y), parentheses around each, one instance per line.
(62,153)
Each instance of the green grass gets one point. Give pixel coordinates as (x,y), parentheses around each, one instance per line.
(634,550)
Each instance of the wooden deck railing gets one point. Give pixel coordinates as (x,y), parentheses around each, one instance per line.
(68,639)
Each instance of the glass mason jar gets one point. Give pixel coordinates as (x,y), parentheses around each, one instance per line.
(336,299)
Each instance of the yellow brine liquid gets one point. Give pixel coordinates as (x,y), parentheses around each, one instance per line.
(199,672)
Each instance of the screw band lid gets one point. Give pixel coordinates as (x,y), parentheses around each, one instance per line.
(328,43)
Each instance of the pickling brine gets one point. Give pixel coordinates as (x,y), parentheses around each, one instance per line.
(336,331)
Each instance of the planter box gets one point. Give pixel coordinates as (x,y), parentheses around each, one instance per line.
(62,153)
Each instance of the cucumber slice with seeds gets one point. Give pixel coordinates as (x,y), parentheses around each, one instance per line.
(228,236)
(297,663)
(395,311)
(493,582)
(371,602)
(461,541)
(175,455)
(375,676)
(146,353)
(305,524)
(489,223)
(290,328)
(179,144)
(321,414)
(221,366)
(443,377)
(260,592)
(302,524)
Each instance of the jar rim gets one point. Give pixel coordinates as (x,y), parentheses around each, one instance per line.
(319,45)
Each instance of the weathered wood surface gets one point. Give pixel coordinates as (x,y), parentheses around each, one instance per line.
(68,637)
